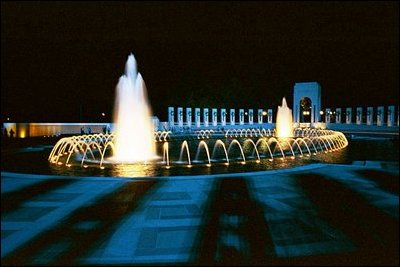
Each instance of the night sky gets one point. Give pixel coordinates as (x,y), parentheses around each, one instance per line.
(60,62)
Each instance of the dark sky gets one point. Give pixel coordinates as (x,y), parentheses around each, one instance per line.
(58,57)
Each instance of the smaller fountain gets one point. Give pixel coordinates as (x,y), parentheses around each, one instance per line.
(284,121)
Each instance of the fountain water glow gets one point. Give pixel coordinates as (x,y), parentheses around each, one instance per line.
(134,138)
(284,121)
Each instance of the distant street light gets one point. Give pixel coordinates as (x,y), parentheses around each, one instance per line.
(103,114)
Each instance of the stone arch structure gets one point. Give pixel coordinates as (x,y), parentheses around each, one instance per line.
(311,90)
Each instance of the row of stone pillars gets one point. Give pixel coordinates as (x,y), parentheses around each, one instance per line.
(222,121)
(330,116)
(380,116)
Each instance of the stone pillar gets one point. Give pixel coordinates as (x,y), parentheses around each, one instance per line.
(156,123)
(223,117)
(315,116)
(251,116)
(327,115)
(171,115)
(205,117)
(348,115)
(214,117)
(370,115)
(232,116)
(390,119)
(296,111)
(338,115)
(269,115)
(380,115)
(180,117)
(189,117)
(260,116)
(197,117)
(359,115)
(241,116)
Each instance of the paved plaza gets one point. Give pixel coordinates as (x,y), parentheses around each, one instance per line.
(318,214)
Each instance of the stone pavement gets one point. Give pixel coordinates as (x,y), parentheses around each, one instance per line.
(317,214)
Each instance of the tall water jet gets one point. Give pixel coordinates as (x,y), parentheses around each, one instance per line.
(134,131)
(284,121)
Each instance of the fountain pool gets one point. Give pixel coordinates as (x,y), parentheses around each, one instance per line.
(34,159)
(202,149)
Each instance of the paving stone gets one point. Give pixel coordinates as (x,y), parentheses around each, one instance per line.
(26,214)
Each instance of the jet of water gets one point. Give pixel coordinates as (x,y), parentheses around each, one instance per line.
(134,140)
(284,121)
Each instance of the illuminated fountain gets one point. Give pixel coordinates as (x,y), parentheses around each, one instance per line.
(135,141)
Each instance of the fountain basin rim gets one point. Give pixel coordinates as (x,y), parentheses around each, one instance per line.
(111,160)
(196,176)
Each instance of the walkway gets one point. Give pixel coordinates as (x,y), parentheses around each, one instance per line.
(310,215)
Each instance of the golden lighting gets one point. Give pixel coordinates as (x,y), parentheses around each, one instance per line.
(22,134)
